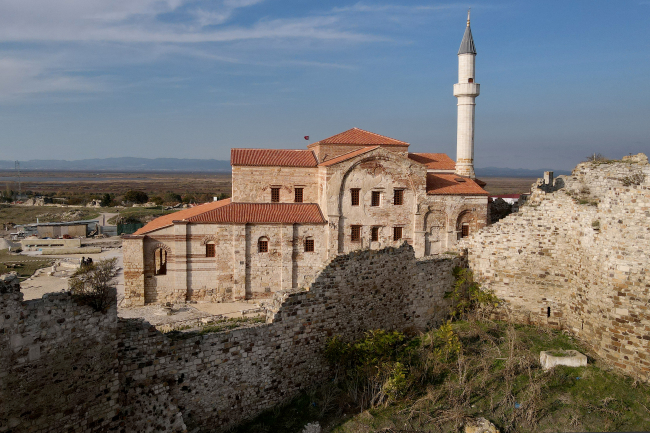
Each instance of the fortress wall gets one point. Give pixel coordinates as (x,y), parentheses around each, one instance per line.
(58,365)
(218,379)
(579,266)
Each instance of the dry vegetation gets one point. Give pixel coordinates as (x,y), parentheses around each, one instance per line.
(118,183)
(439,380)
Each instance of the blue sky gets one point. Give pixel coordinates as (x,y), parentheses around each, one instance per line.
(193,78)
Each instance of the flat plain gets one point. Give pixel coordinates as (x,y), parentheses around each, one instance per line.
(178,182)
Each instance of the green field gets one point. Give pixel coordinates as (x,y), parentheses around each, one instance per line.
(25,266)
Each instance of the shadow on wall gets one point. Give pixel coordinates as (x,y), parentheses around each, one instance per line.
(214,379)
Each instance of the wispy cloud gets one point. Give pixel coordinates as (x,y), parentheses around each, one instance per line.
(98,34)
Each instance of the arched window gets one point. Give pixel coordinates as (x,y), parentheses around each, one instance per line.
(263,245)
(309,244)
(160,261)
(210,249)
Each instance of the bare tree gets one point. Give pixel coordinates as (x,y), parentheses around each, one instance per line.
(93,284)
(597,157)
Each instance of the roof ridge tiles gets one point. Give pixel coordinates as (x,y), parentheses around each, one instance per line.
(361,137)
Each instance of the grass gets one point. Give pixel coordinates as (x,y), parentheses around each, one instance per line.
(142,214)
(29,214)
(29,264)
(495,375)
(225,325)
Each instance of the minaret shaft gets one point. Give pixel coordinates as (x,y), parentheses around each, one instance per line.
(466,90)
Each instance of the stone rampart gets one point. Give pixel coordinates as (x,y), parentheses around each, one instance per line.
(221,378)
(64,367)
(58,369)
(576,256)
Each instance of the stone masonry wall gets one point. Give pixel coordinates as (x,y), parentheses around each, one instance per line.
(222,378)
(66,368)
(58,365)
(576,256)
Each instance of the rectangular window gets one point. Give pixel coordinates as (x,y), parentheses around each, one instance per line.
(355,235)
(374,234)
(309,245)
(354,193)
(397,233)
(376,197)
(263,246)
(275,195)
(209,250)
(398,197)
(464,230)
(298,196)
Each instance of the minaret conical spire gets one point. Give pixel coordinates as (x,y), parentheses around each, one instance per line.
(467,44)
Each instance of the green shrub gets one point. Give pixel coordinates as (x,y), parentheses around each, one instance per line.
(468,298)
(94,284)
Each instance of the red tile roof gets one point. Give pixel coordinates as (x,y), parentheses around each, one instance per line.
(452,184)
(347,156)
(304,213)
(434,161)
(360,137)
(183,215)
(273,157)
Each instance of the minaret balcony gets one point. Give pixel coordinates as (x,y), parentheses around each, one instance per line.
(467,89)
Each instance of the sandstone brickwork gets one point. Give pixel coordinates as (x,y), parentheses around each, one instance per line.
(576,257)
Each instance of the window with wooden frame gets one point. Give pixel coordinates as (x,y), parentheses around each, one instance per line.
(275,195)
(210,250)
(374,234)
(298,195)
(398,197)
(309,245)
(263,245)
(355,233)
(397,233)
(354,195)
(464,230)
(376,198)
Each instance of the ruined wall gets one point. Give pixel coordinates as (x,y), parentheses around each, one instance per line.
(58,364)
(219,379)
(576,256)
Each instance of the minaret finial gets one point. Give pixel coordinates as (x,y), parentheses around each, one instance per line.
(468,11)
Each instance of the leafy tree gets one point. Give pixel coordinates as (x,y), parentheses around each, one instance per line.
(106,200)
(172,197)
(136,197)
(94,284)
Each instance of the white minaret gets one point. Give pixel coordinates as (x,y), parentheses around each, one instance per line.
(466,91)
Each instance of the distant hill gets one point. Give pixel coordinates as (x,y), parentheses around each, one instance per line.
(516,172)
(126,164)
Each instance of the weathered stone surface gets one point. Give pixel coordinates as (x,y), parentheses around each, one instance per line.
(480,425)
(432,224)
(84,371)
(576,257)
(570,358)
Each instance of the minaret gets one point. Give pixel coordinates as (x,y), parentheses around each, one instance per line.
(466,91)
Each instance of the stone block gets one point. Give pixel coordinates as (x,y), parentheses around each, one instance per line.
(570,358)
